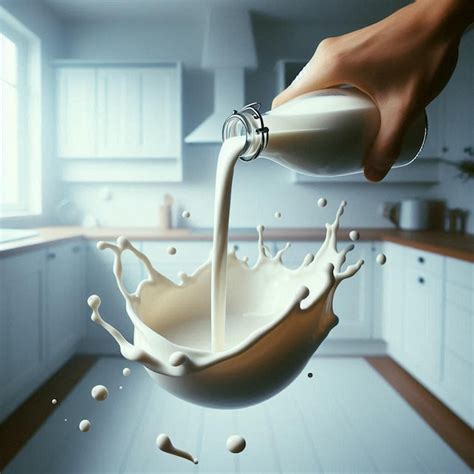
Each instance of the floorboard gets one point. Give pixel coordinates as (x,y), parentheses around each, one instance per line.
(346,419)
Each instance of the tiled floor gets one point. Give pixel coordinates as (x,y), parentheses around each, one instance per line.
(346,418)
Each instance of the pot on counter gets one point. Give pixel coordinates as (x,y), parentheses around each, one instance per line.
(411,214)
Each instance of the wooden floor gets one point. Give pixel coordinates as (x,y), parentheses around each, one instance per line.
(346,418)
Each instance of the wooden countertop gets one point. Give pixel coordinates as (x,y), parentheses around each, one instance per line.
(443,243)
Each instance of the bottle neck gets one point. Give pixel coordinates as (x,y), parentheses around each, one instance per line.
(247,122)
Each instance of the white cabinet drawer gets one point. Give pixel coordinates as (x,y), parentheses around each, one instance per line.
(460,272)
(459,331)
(460,296)
(423,261)
(458,383)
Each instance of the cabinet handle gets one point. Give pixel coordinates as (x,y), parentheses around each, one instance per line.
(469,150)
(76,249)
(421,280)
(50,255)
(421,259)
(444,149)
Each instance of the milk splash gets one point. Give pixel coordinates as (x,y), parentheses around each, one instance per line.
(276,318)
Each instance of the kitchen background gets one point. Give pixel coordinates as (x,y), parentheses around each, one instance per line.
(101,73)
(122,31)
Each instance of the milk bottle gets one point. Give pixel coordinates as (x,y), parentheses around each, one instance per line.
(322,133)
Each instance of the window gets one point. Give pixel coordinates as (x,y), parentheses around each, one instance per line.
(20,137)
(9,123)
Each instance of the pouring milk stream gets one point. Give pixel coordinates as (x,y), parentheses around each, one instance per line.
(230,335)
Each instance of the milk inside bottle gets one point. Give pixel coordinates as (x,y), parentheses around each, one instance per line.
(322,133)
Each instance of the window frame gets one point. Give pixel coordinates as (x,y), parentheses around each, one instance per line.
(29,119)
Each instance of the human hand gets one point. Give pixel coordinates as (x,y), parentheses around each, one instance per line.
(402,62)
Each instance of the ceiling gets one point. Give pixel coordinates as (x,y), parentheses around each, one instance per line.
(340,11)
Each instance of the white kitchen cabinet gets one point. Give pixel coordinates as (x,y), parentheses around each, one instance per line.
(76,112)
(42,305)
(66,310)
(119,122)
(458,370)
(21,341)
(137,110)
(428,310)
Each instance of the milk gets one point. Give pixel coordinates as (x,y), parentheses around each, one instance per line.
(323,133)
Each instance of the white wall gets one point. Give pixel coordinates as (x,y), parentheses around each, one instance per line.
(261,187)
(39,19)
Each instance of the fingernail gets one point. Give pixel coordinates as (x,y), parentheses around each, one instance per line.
(374,174)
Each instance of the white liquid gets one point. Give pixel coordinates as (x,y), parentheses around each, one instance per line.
(186,214)
(276,318)
(85,425)
(381,259)
(236,444)
(171,250)
(54,401)
(354,235)
(277,215)
(164,444)
(228,156)
(126,372)
(99,393)
(322,202)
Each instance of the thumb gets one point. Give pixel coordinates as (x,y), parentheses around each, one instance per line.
(387,144)
(319,73)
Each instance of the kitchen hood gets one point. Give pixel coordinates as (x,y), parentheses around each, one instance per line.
(228,49)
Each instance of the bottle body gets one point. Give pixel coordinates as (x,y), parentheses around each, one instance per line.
(325,133)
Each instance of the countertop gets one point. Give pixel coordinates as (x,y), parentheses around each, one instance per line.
(459,246)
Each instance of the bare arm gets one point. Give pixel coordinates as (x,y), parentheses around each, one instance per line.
(402,62)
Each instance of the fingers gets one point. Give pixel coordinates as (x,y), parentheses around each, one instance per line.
(387,145)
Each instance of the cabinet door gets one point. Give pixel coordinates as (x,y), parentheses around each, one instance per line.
(459,98)
(138,111)
(76,112)
(63,295)
(21,287)
(422,323)
(392,299)
(118,107)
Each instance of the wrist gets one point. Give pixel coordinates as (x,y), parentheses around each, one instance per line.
(454,15)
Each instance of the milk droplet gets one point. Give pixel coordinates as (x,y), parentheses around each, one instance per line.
(381,259)
(322,202)
(186,214)
(236,444)
(354,235)
(164,444)
(54,401)
(126,372)
(65,419)
(277,215)
(99,393)
(171,250)
(120,388)
(85,425)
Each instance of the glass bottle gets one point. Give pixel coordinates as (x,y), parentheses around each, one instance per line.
(322,133)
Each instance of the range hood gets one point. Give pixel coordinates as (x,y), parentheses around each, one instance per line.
(228,49)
